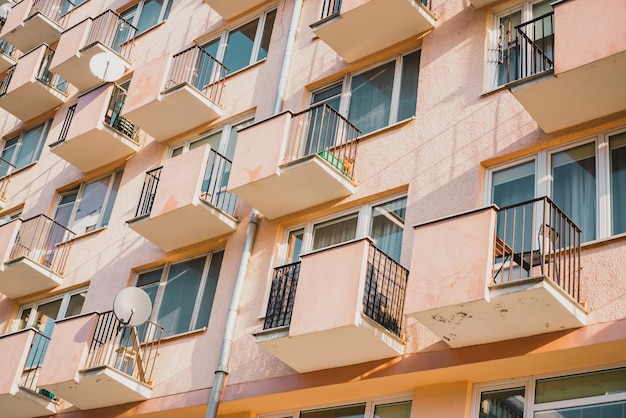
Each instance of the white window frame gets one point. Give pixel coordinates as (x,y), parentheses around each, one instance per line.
(346,90)
(80,189)
(18,145)
(33,306)
(530,383)
(158,299)
(134,19)
(222,40)
(543,177)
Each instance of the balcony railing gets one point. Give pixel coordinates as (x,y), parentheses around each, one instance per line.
(113,118)
(69,116)
(55,10)
(7,49)
(38,239)
(4,83)
(6,169)
(323,131)
(48,78)
(36,355)
(535,238)
(148,192)
(529,48)
(112,30)
(383,297)
(132,351)
(333,7)
(200,69)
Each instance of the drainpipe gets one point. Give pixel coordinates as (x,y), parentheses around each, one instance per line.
(222,368)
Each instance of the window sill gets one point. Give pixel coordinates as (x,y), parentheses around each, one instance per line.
(393,126)
(184,334)
(241,70)
(150,29)
(86,234)
(20,170)
(603,241)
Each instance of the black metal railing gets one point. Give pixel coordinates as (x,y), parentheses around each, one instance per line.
(214,184)
(282,296)
(113,31)
(48,78)
(69,116)
(113,118)
(385,291)
(55,10)
(43,241)
(130,350)
(333,7)
(6,169)
(529,48)
(323,131)
(535,238)
(34,360)
(148,192)
(200,69)
(6,80)
(7,49)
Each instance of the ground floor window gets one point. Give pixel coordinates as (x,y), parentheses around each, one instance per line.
(379,408)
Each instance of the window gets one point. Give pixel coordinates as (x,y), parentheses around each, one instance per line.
(182,293)
(88,206)
(584,180)
(591,394)
(69,5)
(376,97)
(147,13)
(245,45)
(383,222)
(515,56)
(383,408)
(24,148)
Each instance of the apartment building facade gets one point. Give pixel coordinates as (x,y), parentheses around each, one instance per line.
(392,208)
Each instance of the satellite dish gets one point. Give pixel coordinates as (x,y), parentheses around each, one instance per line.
(106,66)
(132,306)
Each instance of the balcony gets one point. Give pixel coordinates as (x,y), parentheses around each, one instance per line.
(170,96)
(346,25)
(497,274)
(22,355)
(93,132)
(231,8)
(585,80)
(96,50)
(34,22)
(8,56)
(34,253)
(292,162)
(482,3)
(94,362)
(361,320)
(29,89)
(185,202)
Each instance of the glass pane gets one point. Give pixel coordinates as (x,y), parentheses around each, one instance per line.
(267,33)
(76,304)
(213,140)
(90,206)
(581,386)
(65,207)
(331,95)
(395,410)
(177,151)
(295,245)
(387,227)
(335,231)
(22,321)
(353,411)
(239,46)
(208,294)
(7,155)
(111,199)
(370,103)
(179,295)
(505,403)
(149,282)
(574,186)
(149,15)
(408,85)
(617,146)
(31,146)
(608,410)
(46,315)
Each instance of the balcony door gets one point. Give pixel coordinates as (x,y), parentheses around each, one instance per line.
(323,121)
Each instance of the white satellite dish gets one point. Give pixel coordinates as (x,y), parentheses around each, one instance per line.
(106,66)
(132,306)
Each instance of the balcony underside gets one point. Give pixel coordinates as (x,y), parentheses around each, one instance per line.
(26,404)
(31,99)
(482,3)
(184,226)
(23,276)
(330,348)
(101,387)
(6,62)
(295,187)
(513,310)
(177,110)
(77,72)
(350,34)
(94,149)
(231,8)
(34,31)
(576,96)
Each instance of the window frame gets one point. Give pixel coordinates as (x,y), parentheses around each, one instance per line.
(222,40)
(346,90)
(65,301)
(18,146)
(161,286)
(139,5)
(544,179)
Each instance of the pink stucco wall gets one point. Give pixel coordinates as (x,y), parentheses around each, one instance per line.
(90,111)
(14,349)
(71,42)
(26,69)
(17,15)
